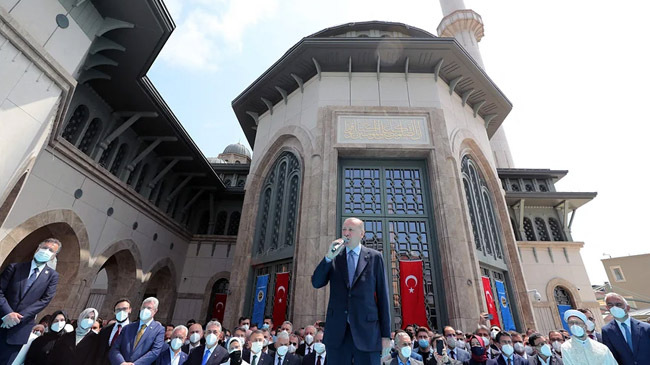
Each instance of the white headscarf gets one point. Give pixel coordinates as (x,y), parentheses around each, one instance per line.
(80,331)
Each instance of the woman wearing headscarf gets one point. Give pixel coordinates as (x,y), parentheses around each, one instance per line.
(235,348)
(477,350)
(80,346)
(42,346)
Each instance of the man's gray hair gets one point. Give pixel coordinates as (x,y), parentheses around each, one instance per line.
(52,240)
(289,323)
(153,300)
(213,323)
(283,335)
(181,327)
(612,294)
(481,327)
(401,334)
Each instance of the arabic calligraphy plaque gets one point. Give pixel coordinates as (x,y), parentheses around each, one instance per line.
(382,129)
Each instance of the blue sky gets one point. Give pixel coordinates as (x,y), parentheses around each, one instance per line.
(574,70)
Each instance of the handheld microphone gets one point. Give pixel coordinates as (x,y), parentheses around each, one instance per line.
(337,246)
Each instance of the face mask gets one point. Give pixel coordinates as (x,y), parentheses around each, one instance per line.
(235,356)
(494,334)
(195,337)
(245,327)
(507,350)
(309,339)
(145,314)
(478,351)
(557,346)
(86,323)
(461,344)
(406,351)
(43,255)
(68,328)
(282,350)
(121,316)
(451,342)
(319,347)
(211,339)
(57,326)
(618,313)
(577,330)
(292,349)
(486,341)
(38,333)
(423,343)
(590,326)
(176,343)
(392,343)
(266,342)
(519,347)
(96,331)
(256,347)
(528,350)
(545,350)
(265,326)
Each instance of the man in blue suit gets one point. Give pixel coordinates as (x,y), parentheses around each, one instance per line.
(172,351)
(358,314)
(627,338)
(140,342)
(507,356)
(25,290)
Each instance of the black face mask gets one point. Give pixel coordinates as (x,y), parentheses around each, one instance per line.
(478,351)
(235,357)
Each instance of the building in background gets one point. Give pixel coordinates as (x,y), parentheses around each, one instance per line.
(628,276)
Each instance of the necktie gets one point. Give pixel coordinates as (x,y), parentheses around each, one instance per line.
(318,360)
(206,356)
(254,362)
(139,335)
(453,354)
(308,350)
(119,329)
(351,267)
(628,335)
(279,360)
(509,361)
(31,278)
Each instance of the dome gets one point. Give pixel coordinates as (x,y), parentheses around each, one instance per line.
(238,149)
(373,29)
(215,160)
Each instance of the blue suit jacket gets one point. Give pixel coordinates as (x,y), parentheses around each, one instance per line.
(148,349)
(165,357)
(365,303)
(462,355)
(518,360)
(15,298)
(615,340)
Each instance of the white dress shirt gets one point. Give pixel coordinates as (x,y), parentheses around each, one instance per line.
(322,358)
(114,330)
(174,356)
(309,349)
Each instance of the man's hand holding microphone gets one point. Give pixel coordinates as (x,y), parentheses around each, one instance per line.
(336,247)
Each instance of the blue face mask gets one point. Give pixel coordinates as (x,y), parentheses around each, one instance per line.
(43,255)
(265,326)
(423,343)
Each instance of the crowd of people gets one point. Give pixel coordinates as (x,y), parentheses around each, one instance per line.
(57,338)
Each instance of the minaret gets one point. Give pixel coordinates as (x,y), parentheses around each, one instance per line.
(466,26)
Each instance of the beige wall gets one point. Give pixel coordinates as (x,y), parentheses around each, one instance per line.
(635,278)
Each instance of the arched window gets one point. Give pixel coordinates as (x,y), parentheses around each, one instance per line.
(556,229)
(487,237)
(220,225)
(562,296)
(106,155)
(528,229)
(119,158)
(143,174)
(233,225)
(204,223)
(90,137)
(540,225)
(278,208)
(75,124)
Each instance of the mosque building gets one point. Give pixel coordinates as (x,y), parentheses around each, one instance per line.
(377,120)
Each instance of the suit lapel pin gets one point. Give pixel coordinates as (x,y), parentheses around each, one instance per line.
(47,272)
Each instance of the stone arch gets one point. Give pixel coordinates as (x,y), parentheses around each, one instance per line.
(160,282)
(550,297)
(9,201)
(207,297)
(21,242)
(122,263)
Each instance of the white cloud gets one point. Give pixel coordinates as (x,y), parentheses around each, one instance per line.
(206,30)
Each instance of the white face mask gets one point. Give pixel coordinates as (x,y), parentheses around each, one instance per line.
(121,316)
(557,346)
(460,343)
(57,326)
(38,333)
(282,350)
(145,314)
(507,350)
(68,328)
(211,339)
(176,344)
(256,347)
(245,327)
(195,337)
(451,342)
(309,339)
(494,334)
(406,351)
(529,350)
(577,330)
(546,350)
(486,341)
(590,326)
(319,347)
(519,348)
(618,313)
(292,349)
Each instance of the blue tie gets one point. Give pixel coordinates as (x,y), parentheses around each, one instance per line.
(628,335)
(351,267)
(206,356)
(31,279)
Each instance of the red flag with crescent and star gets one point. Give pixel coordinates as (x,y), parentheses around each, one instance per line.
(280,298)
(219,306)
(412,293)
(489,299)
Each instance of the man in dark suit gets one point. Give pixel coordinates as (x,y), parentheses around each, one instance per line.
(591,326)
(210,353)
(508,355)
(25,290)
(403,350)
(172,351)
(255,355)
(195,338)
(357,327)
(453,350)
(282,355)
(627,338)
(307,347)
(140,342)
(543,353)
(319,355)
(109,334)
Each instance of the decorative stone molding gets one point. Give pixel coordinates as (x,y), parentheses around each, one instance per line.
(460,21)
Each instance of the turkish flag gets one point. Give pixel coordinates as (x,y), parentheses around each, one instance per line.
(280,298)
(489,299)
(219,306)
(412,293)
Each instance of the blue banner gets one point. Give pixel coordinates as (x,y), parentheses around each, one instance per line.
(260,300)
(506,315)
(563,308)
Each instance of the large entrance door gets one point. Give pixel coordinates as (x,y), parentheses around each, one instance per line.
(394,201)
